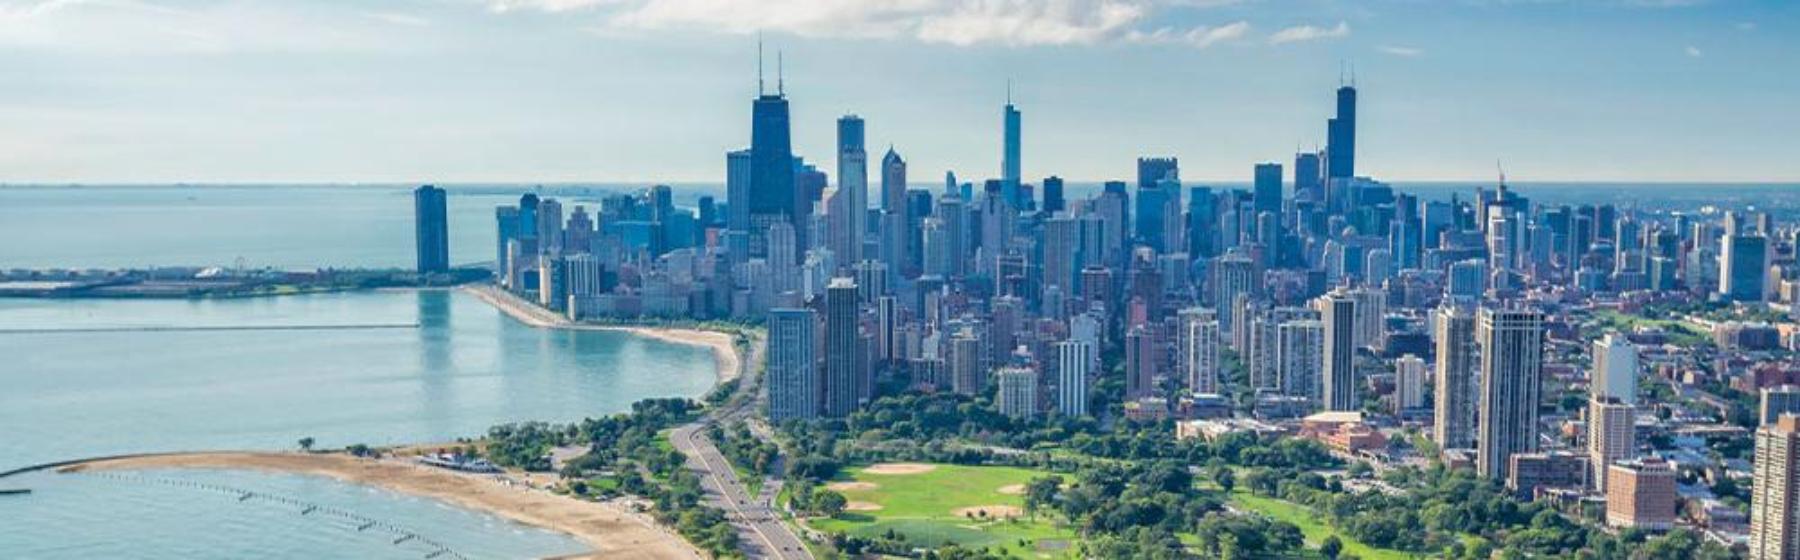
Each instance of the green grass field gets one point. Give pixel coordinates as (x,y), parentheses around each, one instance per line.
(1310,525)
(924,507)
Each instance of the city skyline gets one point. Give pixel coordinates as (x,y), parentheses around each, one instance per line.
(572,91)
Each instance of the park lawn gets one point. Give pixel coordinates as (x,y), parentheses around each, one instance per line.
(1680,332)
(923,508)
(1311,526)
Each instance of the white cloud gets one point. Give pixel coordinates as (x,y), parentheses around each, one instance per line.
(1302,33)
(1694,51)
(1409,52)
(951,22)
(1198,37)
(407,20)
(544,5)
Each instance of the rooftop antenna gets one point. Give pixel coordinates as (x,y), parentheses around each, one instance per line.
(1341,65)
(1009,92)
(1352,73)
(780,85)
(759,64)
(1502,170)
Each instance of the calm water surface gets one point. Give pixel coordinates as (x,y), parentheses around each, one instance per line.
(462,368)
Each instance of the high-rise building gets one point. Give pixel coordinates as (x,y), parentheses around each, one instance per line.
(1743,266)
(965,363)
(1337,311)
(1141,360)
(1267,193)
(1010,151)
(1640,494)
(896,216)
(846,384)
(1074,363)
(1340,141)
(793,371)
(1612,435)
(1776,401)
(1453,333)
(1308,177)
(1300,358)
(1152,171)
(852,200)
(1615,368)
(1409,383)
(431,229)
(1775,491)
(1018,391)
(775,194)
(1512,360)
(1197,349)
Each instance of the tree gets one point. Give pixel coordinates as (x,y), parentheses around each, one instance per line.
(306,444)
(1225,477)
(1332,547)
(828,503)
(1041,491)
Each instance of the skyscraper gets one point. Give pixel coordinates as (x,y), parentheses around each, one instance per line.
(1512,360)
(853,191)
(1615,368)
(1152,171)
(1009,157)
(1409,383)
(1612,435)
(1074,362)
(1300,358)
(965,363)
(1267,193)
(1197,349)
(896,240)
(1743,266)
(1453,331)
(1141,360)
(844,379)
(793,376)
(1018,391)
(431,227)
(1308,177)
(1337,310)
(774,192)
(1775,491)
(1340,147)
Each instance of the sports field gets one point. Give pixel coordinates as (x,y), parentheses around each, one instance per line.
(936,504)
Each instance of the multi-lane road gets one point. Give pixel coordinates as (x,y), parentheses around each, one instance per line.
(761,532)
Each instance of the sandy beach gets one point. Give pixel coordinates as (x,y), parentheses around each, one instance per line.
(722,345)
(610,529)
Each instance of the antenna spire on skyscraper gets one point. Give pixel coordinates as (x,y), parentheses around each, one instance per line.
(1009,91)
(780,78)
(759,64)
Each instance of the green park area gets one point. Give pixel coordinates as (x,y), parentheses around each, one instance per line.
(1315,529)
(937,504)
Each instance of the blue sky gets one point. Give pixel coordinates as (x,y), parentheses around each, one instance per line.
(659,90)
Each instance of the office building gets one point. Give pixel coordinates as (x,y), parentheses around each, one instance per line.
(431,229)
(1775,491)
(1337,312)
(1453,333)
(792,367)
(1512,360)
(1640,494)
(1018,391)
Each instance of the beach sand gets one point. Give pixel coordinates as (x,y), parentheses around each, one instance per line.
(722,345)
(610,529)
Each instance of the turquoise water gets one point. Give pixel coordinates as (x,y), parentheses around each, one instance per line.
(463,368)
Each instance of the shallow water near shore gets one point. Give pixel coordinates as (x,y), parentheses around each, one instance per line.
(461,369)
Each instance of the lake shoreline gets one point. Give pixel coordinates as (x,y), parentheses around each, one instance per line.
(722,345)
(610,529)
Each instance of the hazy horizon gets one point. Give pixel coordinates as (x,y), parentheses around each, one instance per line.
(224,91)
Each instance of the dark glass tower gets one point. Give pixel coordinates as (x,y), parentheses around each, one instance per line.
(1340,139)
(431,224)
(774,194)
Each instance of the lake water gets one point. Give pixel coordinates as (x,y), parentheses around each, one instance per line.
(463,368)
